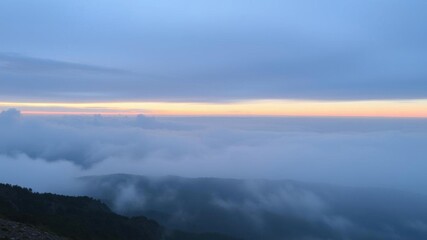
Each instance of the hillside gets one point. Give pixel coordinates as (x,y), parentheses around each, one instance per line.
(266,209)
(81,218)
(14,230)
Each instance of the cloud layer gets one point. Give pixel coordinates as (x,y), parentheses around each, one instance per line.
(361,152)
(50,153)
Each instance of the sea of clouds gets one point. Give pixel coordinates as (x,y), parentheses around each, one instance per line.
(48,152)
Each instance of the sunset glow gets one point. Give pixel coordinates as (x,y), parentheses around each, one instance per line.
(391,108)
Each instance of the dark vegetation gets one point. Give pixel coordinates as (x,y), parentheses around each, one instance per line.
(11,230)
(82,217)
(266,209)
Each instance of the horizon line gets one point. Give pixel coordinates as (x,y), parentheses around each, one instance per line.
(255,108)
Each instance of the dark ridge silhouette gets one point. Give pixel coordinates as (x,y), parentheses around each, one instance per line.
(265,209)
(14,230)
(82,217)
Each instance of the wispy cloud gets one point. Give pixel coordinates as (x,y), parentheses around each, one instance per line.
(23,64)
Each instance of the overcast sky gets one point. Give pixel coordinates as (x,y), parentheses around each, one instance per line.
(212,50)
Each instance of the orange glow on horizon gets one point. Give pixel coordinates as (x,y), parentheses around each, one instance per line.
(80,113)
(383,108)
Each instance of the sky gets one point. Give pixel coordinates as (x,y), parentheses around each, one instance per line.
(268,58)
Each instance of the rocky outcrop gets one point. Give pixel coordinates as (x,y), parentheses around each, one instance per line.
(10,230)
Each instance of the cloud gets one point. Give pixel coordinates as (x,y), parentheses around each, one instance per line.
(317,150)
(10,116)
(18,63)
(28,78)
(42,176)
(214,50)
(87,144)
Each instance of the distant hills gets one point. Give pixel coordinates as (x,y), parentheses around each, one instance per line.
(78,218)
(264,209)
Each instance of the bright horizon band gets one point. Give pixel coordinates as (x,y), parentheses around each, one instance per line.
(374,108)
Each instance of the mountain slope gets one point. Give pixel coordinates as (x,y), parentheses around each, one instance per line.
(15,230)
(263,209)
(82,217)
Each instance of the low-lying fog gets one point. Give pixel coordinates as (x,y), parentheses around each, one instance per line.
(47,153)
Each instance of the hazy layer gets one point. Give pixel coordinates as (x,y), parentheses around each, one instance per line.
(47,152)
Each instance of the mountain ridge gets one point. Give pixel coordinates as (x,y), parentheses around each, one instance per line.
(82,217)
(265,209)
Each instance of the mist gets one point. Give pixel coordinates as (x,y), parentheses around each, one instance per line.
(264,209)
(36,150)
